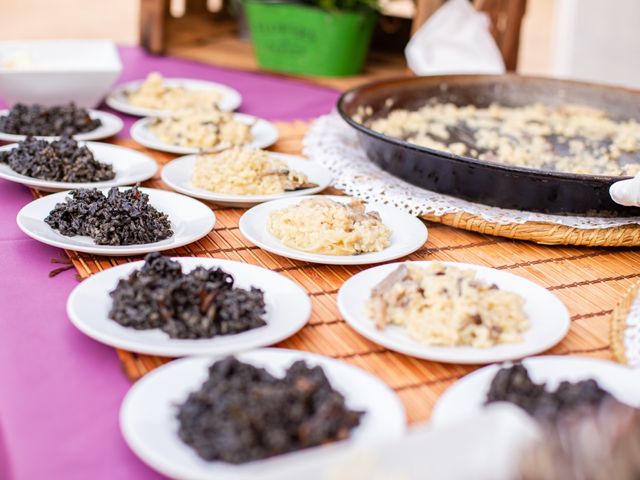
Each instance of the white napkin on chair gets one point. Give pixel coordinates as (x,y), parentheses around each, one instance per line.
(455,39)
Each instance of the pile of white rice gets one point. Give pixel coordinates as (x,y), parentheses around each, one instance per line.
(321,225)
(245,171)
(153,93)
(201,129)
(568,138)
(447,306)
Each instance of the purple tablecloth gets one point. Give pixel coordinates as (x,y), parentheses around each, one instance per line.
(60,391)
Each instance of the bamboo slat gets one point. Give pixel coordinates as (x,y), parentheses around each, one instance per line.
(588,280)
(619,322)
(545,233)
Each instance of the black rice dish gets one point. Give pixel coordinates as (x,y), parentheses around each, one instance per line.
(243,413)
(119,218)
(200,304)
(60,161)
(38,120)
(513,384)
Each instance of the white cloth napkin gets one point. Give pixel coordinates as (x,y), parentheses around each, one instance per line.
(484,445)
(626,192)
(455,39)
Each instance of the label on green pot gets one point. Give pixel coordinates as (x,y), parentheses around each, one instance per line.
(306,40)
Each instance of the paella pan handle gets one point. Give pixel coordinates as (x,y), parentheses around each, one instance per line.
(626,192)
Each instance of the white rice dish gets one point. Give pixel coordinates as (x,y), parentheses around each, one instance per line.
(447,306)
(246,171)
(322,225)
(201,129)
(154,94)
(569,138)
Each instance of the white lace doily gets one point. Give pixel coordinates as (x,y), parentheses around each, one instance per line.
(334,144)
(632,334)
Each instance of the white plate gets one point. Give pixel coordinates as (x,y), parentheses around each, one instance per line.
(130,167)
(177,175)
(149,426)
(408,233)
(467,395)
(548,317)
(287,304)
(264,135)
(190,221)
(118,100)
(111,125)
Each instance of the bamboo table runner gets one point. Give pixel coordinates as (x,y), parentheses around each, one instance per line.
(590,281)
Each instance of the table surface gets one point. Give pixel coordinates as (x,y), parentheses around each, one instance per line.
(59,391)
(61,388)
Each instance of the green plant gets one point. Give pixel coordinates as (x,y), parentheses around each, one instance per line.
(334,5)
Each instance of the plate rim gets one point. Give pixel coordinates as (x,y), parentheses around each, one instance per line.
(178,350)
(139,130)
(436,415)
(422,351)
(145,453)
(225,198)
(288,252)
(47,185)
(117,124)
(113,102)
(111,250)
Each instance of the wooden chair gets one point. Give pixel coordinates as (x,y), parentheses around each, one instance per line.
(157,24)
(506,21)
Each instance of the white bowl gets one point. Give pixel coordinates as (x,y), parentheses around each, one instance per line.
(51,72)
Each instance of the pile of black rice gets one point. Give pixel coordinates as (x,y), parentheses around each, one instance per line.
(119,218)
(243,413)
(60,161)
(513,384)
(38,120)
(200,304)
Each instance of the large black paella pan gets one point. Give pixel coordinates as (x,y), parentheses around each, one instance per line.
(488,182)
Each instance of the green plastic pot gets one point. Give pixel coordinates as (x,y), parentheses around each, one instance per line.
(305,40)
